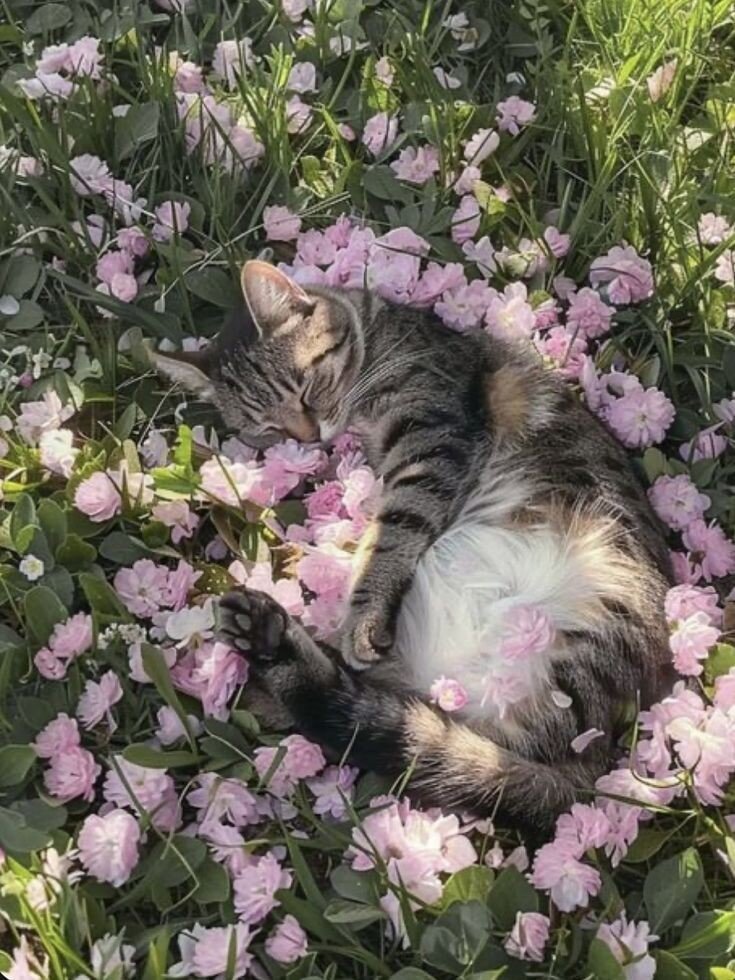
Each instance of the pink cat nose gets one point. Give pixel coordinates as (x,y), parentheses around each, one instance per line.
(304,428)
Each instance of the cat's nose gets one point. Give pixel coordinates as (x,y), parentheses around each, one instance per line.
(303,429)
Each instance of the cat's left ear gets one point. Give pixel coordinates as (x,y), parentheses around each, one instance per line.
(272,297)
(191,369)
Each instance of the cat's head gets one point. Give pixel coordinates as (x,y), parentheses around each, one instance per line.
(283,367)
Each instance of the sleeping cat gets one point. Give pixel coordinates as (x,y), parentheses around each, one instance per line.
(513,550)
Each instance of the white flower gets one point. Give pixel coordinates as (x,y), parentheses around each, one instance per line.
(193,623)
(31,567)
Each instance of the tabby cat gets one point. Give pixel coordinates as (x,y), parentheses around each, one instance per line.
(504,502)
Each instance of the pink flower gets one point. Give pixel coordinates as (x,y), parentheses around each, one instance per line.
(296,458)
(288,942)
(466,220)
(379,132)
(58,452)
(589,314)
(713,229)
(558,869)
(72,637)
(142,587)
(436,280)
(97,700)
(509,314)
(89,175)
(661,80)
(416,165)
(641,417)
(98,498)
(219,799)
(707,444)
(691,641)
(677,501)
(281,224)
(557,242)
(580,743)
(113,263)
(188,78)
(179,584)
(482,253)
(286,591)
(300,760)
(465,182)
(215,952)
(628,276)
(58,736)
(53,58)
(325,501)
(465,306)
(45,415)
(395,263)
(724,697)
(108,846)
(448,694)
(122,286)
(71,775)
(148,788)
(684,600)
(480,146)
(513,114)
(298,114)
(326,572)
(49,665)
(528,936)
(231,59)
(384,71)
(177,515)
(255,889)
(564,347)
(628,942)
(712,551)
(333,790)
(585,825)
(212,672)
(302,78)
(445,78)
(172,218)
(85,58)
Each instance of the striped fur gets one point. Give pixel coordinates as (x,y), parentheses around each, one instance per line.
(500,491)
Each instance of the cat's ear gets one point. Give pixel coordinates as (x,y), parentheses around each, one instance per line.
(272,298)
(190,369)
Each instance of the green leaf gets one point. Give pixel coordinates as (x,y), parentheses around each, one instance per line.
(602,964)
(654,464)
(668,967)
(470,883)
(183,446)
(75,553)
(212,285)
(648,842)
(41,815)
(49,17)
(121,548)
(358,886)
(17,836)
(343,912)
(156,667)
(53,523)
(174,861)
(720,660)
(28,316)
(144,755)
(312,919)
(61,583)
(672,888)
(214,883)
(102,597)
(15,764)
(23,516)
(126,422)
(304,875)
(457,938)
(509,894)
(43,610)
(411,973)
(381,182)
(21,275)
(137,127)
(706,935)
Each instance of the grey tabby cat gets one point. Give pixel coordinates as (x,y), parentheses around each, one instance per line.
(513,550)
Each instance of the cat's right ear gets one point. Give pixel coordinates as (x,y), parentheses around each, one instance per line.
(190,369)
(272,298)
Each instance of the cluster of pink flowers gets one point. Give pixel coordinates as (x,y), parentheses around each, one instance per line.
(415,847)
(61,67)
(638,416)
(68,641)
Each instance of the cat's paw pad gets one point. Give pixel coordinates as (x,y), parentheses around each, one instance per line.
(253,623)
(367,640)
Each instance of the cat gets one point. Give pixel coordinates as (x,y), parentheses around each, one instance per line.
(504,502)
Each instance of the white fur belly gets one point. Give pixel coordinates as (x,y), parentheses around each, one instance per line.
(471,587)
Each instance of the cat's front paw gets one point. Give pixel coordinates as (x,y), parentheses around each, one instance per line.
(368,637)
(253,623)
